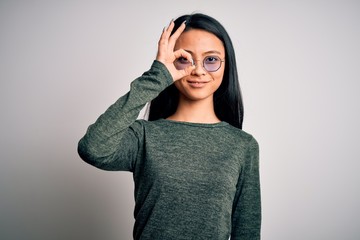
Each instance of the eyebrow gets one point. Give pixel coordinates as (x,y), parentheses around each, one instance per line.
(207,52)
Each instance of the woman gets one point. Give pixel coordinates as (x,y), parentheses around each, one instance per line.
(196,172)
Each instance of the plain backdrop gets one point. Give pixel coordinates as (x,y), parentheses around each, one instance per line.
(62,63)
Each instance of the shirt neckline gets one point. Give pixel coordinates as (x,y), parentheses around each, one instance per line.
(195,124)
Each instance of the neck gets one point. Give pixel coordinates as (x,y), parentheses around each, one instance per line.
(195,111)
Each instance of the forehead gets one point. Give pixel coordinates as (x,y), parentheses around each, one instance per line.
(199,41)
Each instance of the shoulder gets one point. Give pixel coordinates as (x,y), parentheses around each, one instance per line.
(241,135)
(145,125)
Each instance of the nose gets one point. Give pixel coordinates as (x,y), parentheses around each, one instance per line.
(199,69)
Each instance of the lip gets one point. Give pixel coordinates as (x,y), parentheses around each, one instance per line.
(197,83)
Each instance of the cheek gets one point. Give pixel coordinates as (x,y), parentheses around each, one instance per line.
(217,76)
(217,79)
(178,84)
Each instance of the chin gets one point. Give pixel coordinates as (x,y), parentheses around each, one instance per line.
(195,97)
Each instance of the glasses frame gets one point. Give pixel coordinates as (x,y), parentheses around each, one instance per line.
(203,63)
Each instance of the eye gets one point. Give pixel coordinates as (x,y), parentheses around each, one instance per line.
(212,60)
(183,60)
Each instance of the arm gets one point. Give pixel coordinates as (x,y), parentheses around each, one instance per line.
(116,131)
(246,219)
(112,142)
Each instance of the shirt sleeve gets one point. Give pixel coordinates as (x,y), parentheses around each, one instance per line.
(246,218)
(114,140)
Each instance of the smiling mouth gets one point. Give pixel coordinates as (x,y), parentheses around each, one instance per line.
(197,82)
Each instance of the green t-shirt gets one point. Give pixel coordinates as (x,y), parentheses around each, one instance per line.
(192,180)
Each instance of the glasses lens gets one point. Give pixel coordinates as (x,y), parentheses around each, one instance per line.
(212,63)
(182,63)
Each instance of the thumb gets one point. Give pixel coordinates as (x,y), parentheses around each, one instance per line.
(183,73)
(188,70)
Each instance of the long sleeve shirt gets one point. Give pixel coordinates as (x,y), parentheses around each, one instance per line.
(192,180)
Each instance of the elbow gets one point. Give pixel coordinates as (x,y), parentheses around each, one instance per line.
(91,156)
(85,153)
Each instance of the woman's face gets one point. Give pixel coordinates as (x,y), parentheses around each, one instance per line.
(200,84)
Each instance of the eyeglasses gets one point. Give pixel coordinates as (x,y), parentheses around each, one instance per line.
(210,63)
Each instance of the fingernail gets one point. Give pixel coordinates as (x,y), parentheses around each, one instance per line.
(184,22)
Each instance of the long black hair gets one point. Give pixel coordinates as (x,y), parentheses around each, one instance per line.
(228,103)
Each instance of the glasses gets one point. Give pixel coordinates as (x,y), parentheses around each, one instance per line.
(210,63)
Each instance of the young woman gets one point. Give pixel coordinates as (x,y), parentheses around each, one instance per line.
(196,172)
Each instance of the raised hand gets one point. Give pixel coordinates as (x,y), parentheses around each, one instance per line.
(167,55)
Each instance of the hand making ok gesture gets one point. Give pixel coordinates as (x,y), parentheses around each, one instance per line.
(167,55)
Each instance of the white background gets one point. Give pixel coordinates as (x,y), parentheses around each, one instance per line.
(62,63)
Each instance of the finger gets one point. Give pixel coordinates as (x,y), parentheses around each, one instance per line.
(169,29)
(189,69)
(162,39)
(182,53)
(177,33)
(166,32)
